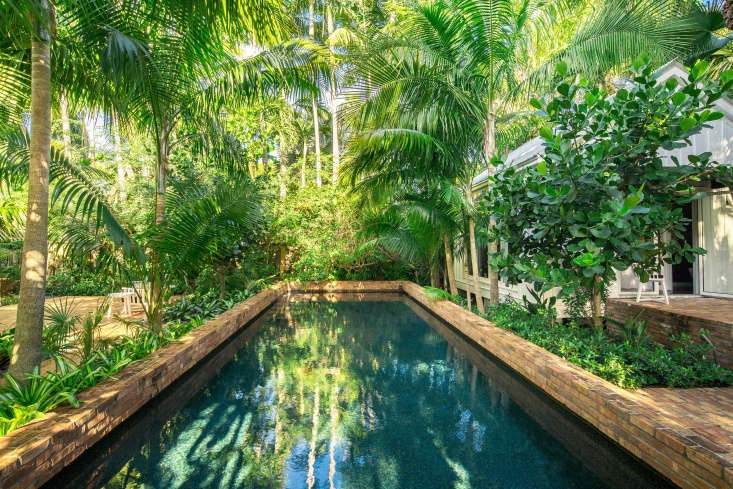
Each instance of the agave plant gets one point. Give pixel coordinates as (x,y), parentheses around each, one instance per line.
(39,392)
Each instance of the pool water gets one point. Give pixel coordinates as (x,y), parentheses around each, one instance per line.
(353,394)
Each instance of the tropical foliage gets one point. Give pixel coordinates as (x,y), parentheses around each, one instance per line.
(601,199)
(632,361)
(209,147)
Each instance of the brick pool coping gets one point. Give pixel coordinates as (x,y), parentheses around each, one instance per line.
(33,454)
(635,422)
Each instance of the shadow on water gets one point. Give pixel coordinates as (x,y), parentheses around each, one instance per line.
(353,392)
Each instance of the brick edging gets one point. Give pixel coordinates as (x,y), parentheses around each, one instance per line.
(630,422)
(33,454)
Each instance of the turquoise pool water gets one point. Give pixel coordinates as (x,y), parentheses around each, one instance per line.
(353,394)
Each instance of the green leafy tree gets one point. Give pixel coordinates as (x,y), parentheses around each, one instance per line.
(602,199)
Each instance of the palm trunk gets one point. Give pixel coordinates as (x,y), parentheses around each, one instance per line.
(317,136)
(283,259)
(450,271)
(283,172)
(489,152)
(728,13)
(31,299)
(265,147)
(316,122)
(121,184)
(303,164)
(332,88)
(161,176)
(434,278)
(465,274)
(154,311)
(474,254)
(65,126)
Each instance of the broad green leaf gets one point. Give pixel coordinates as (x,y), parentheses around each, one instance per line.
(726,77)
(687,123)
(562,69)
(671,83)
(542,167)
(678,98)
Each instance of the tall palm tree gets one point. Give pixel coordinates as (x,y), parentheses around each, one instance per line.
(102,53)
(314,98)
(333,90)
(32,296)
(478,58)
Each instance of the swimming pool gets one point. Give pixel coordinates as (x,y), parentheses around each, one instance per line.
(370,393)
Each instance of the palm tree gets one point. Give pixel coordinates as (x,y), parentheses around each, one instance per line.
(333,91)
(417,227)
(479,58)
(728,14)
(314,98)
(107,53)
(32,296)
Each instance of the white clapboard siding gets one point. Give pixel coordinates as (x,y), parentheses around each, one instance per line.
(717,215)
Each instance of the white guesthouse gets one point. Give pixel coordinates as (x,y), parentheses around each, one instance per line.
(711,227)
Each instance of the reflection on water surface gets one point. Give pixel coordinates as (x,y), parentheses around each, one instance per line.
(356,394)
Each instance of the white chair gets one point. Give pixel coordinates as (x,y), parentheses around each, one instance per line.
(126,296)
(656,278)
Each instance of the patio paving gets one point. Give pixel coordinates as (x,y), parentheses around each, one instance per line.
(82,305)
(713,309)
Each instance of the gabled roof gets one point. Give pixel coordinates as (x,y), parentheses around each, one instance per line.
(532,151)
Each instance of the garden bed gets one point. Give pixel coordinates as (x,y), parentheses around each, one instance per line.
(633,362)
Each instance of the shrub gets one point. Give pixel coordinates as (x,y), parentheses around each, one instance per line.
(208,304)
(635,363)
(80,282)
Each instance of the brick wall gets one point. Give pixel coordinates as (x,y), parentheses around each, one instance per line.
(34,453)
(663,323)
(637,424)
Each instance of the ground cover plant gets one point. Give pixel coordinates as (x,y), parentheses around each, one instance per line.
(22,402)
(632,361)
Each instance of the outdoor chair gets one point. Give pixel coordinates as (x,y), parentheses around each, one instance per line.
(126,295)
(141,293)
(656,278)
